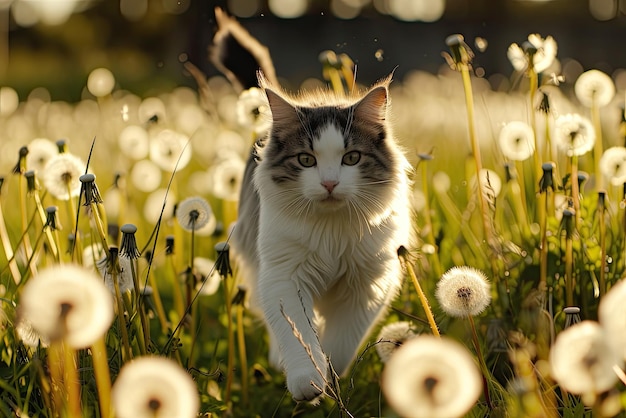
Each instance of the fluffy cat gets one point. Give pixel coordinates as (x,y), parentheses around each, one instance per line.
(323,210)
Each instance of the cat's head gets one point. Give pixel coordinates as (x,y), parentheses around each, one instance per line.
(327,153)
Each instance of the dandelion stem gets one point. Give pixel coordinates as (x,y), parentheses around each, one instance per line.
(145,330)
(121,317)
(469,105)
(8,248)
(243,360)
(601,212)
(597,146)
(231,341)
(481,361)
(103,377)
(428,220)
(72,386)
(402,255)
(26,239)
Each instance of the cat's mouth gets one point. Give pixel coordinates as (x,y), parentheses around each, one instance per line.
(331,201)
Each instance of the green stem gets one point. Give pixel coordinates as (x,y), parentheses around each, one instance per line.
(481,360)
(103,377)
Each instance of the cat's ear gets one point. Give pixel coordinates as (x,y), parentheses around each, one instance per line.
(373,107)
(284,114)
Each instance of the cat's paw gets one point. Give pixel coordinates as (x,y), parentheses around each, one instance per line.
(305,386)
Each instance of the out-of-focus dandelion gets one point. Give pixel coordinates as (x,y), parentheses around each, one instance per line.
(431,377)
(61,176)
(145,176)
(154,204)
(134,142)
(40,151)
(613,165)
(490,182)
(594,88)
(153,387)
(27,334)
(612,317)
(170,150)
(463,291)
(391,337)
(67,303)
(582,360)
(226,177)
(517,140)
(574,134)
(9,100)
(194,213)
(210,277)
(100,82)
(106,268)
(253,111)
(537,50)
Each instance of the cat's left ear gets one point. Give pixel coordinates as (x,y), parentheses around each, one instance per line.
(373,107)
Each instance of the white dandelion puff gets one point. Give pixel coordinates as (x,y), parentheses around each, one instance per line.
(124,276)
(194,213)
(463,291)
(543,55)
(145,176)
(391,337)
(253,110)
(613,165)
(61,176)
(134,142)
(490,182)
(40,151)
(205,267)
(574,134)
(612,317)
(581,359)
(226,178)
(517,140)
(67,303)
(170,150)
(594,86)
(431,377)
(154,387)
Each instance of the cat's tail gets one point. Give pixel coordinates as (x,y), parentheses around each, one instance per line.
(239,55)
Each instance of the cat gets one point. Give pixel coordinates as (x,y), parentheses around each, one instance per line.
(323,209)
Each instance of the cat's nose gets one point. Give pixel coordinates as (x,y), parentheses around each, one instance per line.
(330,185)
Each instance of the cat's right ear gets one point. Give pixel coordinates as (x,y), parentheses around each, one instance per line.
(284,114)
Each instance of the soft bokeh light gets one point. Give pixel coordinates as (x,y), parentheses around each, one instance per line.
(288,9)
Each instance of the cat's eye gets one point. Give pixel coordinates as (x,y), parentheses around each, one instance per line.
(351,158)
(306,160)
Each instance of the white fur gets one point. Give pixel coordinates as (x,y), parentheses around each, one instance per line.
(330,269)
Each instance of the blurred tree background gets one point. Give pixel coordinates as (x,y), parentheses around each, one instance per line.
(56,43)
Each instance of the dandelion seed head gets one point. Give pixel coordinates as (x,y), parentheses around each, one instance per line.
(226,178)
(612,317)
(145,176)
(391,337)
(194,213)
(463,291)
(124,276)
(169,148)
(431,377)
(206,268)
(581,359)
(67,302)
(543,52)
(134,142)
(613,165)
(154,387)
(594,86)
(574,134)
(40,151)
(517,141)
(490,182)
(253,110)
(61,176)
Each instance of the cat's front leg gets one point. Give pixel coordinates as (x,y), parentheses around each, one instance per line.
(288,311)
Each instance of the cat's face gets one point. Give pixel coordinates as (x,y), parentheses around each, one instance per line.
(325,158)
